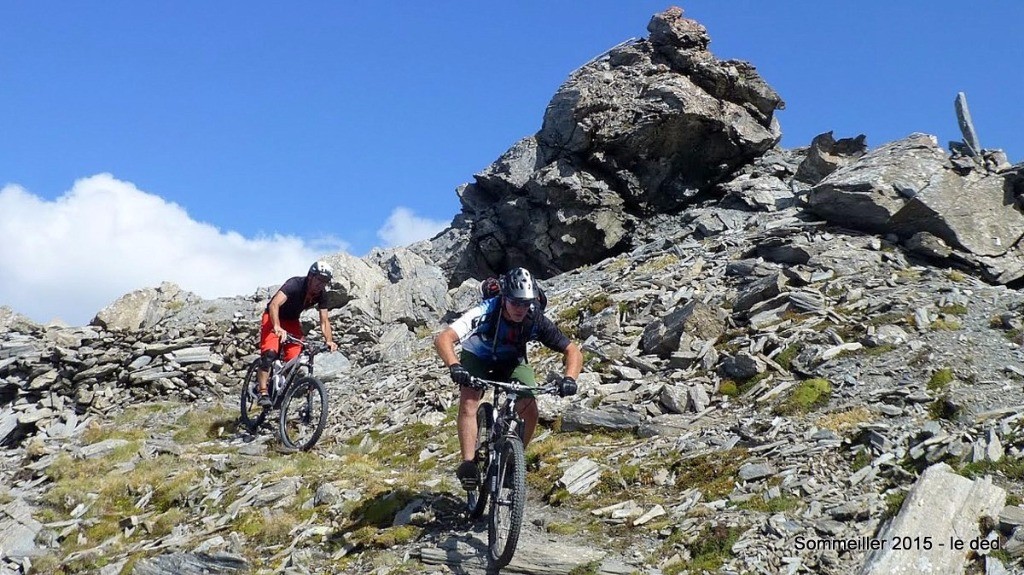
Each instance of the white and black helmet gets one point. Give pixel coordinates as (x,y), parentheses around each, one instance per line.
(322,269)
(517,284)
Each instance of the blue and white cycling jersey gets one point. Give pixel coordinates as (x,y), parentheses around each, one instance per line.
(507,342)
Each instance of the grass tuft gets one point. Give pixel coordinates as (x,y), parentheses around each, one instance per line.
(809,394)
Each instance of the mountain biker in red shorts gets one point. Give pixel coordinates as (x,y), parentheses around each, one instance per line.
(281,317)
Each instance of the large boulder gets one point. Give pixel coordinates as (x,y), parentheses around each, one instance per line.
(826,155)
(639,130)
(911,188)
(866,194)
(11,320)
(144,307)
(976,213)
(941,509)
(416,293)
(354,279)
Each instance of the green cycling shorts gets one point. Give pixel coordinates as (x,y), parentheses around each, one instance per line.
(499,371)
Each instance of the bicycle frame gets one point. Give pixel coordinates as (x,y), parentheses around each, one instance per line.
(500,452)
(507,421)
(289,369)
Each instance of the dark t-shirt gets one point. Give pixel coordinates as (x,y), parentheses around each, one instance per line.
(295,290)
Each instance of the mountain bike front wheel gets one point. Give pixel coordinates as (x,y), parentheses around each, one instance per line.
(252,415)
(508,502)
(303,413)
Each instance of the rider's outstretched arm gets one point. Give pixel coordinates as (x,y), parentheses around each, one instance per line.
(573,360)
(325,328)
(444,343)
(274,310)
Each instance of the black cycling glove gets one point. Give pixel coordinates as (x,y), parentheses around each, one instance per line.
(459,374)
(567,386)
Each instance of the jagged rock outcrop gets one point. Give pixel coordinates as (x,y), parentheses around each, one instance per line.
(641,129)
(144,307)
(911,188)
(826,155)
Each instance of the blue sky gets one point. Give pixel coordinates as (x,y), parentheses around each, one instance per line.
(224,145)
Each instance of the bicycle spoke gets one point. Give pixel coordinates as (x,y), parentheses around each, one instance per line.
(252,414)
(303,414)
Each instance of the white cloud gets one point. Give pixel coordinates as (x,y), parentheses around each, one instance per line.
(72,257)
(403,227)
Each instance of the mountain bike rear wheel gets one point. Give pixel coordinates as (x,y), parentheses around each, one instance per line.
(508,502)
(252,415)
(303,413)
(476,500)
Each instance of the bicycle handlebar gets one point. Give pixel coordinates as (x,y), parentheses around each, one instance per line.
(514,386)
(311,348)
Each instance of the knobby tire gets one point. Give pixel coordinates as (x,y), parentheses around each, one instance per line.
(252,415)
(507,502)
(303,413)
(477,499)
(303,408)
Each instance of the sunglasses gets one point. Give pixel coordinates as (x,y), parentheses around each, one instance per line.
(521,304)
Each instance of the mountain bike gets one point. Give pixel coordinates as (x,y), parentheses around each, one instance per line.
(502,464)
(300,398)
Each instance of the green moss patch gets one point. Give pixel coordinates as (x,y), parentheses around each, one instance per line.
(807,395)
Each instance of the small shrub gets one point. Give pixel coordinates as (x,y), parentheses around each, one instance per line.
(809,394)
(659,263)
(943,408)
(842,421)
(893,503)
(384,538)
(942,324)
(1008,467)
(266,527)
(592,568)
(714,474)
(563,528)
(785,359)
(940,379)
(598,303)
(954,309)
(774,505)
(713,547)
(878,349)
(861,460)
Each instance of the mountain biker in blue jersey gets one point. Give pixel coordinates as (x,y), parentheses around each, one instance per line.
(493,336)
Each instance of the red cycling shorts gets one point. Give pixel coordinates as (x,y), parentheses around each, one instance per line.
(270,342)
